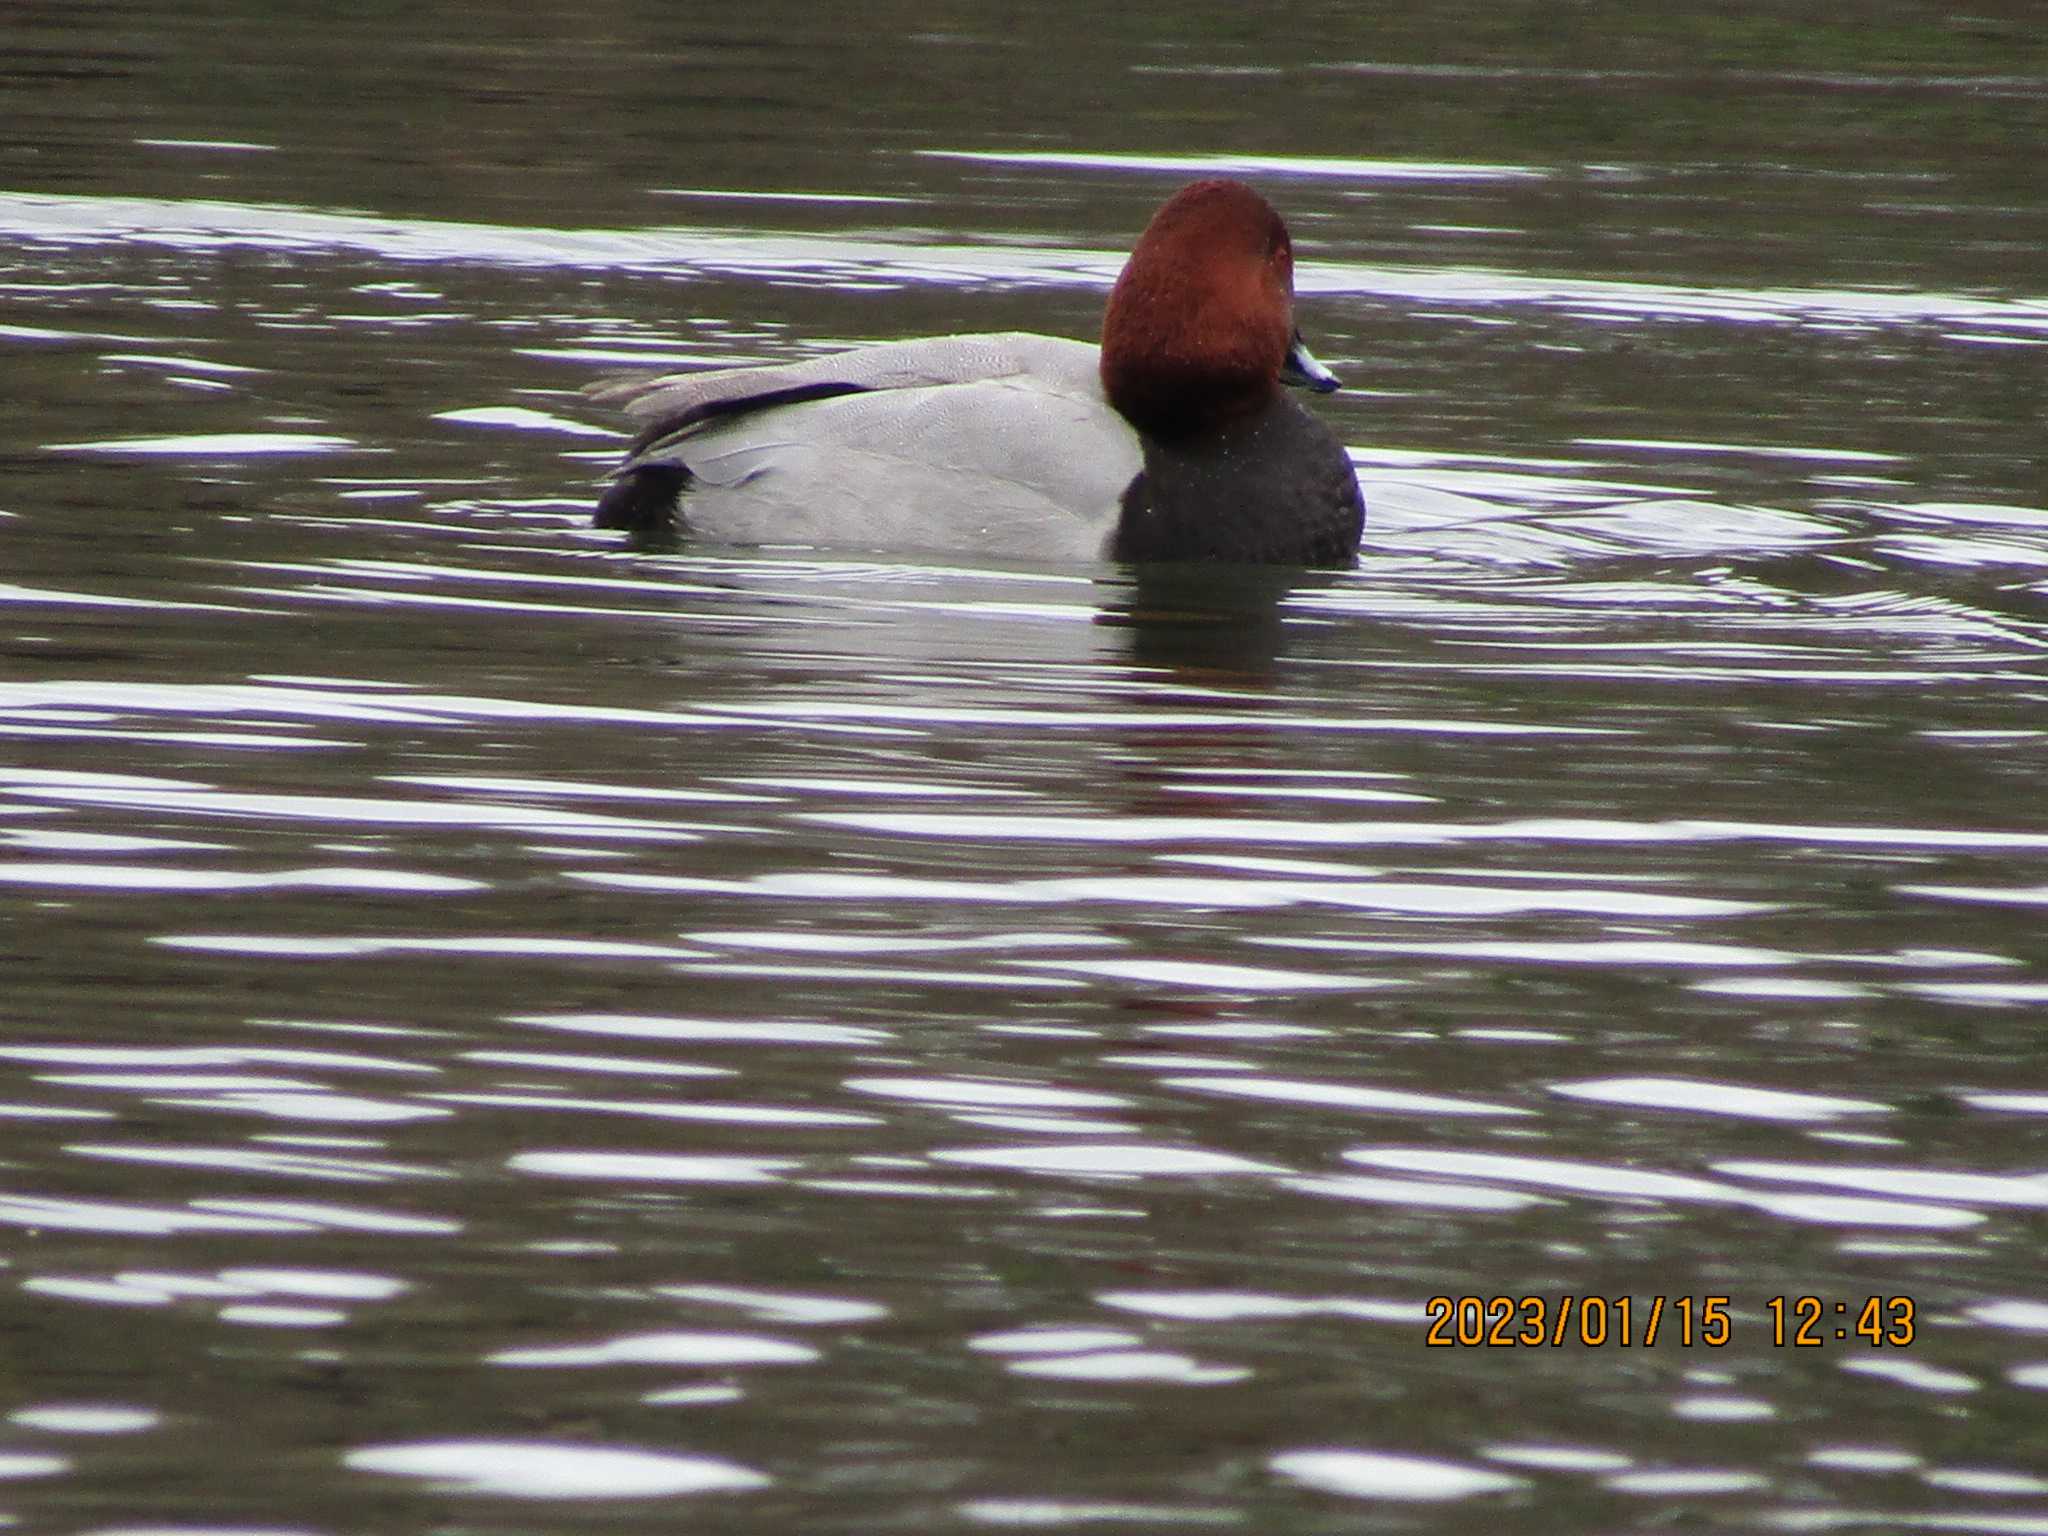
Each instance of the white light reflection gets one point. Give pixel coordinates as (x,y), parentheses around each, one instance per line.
(957,1091)
(1206,975)
(158,877)
(1415,1192)
(1105,1159)
(626,1066)
(131,1219)
(290,1165)
(493,784)
(22,1464)
(86,1418)
(326,1284)
(1052,1341)
(2026,1316)
(653,1167)
(364,810)
(534,1469)
(1380,1475)
(1704,1097)
(1913,1374)
(193,1056)
(1557,1458)
(780,1306)
(270,1315)
(709,1350)
(217,445)
(313,1215)
(1685,1482)
(1330,167)
(2029,1190)
(1131,1365)
(1040,1513)
(1231,1306)
(724,1114)
(741,1031)
(1644,1184)
(1988,1480)
(309,947)
(340,1108)
(1341,1096)
(524,419)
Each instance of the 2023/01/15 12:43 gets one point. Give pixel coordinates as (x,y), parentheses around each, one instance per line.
(1808,1321)
(1626,1321)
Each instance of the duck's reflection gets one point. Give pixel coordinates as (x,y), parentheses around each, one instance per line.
(1203,623)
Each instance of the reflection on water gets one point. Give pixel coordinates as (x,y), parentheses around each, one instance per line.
(502,1029)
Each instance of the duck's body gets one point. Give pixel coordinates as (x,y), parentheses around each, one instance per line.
(1172,441)
(938,444)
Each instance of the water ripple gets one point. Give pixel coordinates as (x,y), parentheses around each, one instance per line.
(538,1469)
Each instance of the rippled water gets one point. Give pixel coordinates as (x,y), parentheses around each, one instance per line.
(502,1033)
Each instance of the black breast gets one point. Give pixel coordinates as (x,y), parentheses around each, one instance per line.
(1276,489)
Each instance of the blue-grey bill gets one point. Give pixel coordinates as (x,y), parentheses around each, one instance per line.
(1303,371)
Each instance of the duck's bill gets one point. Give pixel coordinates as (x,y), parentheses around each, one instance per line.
(1303,371)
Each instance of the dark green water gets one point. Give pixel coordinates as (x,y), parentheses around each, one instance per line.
(502,1034)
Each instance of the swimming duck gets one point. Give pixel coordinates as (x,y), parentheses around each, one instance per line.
(1171,441)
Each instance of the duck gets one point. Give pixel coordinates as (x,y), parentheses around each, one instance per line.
(1173,440)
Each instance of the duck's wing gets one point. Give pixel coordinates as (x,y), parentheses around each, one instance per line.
(995,466)
(673,405)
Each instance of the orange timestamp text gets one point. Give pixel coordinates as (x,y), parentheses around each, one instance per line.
(1705,1321)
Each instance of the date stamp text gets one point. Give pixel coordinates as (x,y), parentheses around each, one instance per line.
(1631,1322)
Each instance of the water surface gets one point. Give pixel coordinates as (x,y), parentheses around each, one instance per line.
(501,1032)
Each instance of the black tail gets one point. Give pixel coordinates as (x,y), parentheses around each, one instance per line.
(642,500)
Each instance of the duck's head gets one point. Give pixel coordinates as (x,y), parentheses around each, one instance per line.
(1200,325)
